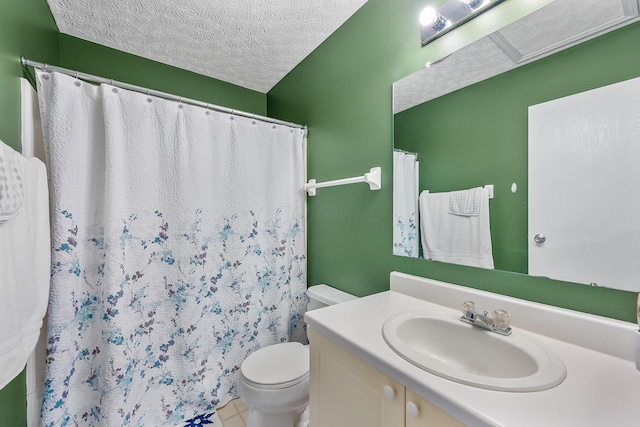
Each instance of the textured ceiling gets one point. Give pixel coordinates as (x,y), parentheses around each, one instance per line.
(250,43)
(559,25)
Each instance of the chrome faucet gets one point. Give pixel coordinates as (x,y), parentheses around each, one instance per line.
(498,324)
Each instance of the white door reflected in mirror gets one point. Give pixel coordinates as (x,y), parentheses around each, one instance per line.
(584,152)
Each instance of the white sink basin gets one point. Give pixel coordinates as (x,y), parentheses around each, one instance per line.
(443,345)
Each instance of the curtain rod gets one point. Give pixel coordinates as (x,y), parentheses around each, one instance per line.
(146,91)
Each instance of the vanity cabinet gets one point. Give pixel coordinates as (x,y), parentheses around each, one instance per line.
(426,413)
(345,391)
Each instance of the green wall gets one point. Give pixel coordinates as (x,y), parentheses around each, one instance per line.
(477,146)
(343,92)
(26,29)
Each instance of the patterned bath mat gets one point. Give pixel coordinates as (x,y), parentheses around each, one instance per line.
(210,419)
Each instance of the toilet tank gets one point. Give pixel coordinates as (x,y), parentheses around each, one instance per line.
(323,295)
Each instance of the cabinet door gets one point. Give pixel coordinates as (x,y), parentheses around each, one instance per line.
(422,413)
(345,391)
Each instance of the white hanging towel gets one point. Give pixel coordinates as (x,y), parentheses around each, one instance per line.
(465,202)
(456,239)
(25,258)
(11,187)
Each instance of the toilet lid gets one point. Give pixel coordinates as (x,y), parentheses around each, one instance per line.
(277,364)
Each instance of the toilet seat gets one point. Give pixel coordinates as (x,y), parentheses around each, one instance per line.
(280,386)
(276,366)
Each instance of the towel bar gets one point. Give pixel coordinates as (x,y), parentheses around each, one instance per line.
(488,187)
(373,178)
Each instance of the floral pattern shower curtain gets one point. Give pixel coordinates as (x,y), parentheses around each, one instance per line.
(178,249)
(405,204)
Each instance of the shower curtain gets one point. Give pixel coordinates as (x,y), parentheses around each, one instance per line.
(405,204)
(178,249)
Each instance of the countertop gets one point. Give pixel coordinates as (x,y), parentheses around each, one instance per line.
(600,389)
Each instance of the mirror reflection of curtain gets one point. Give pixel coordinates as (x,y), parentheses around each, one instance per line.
(405,204)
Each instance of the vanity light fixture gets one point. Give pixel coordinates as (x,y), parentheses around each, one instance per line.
(475,4)
(438,22)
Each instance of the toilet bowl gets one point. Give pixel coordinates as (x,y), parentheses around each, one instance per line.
(274,381)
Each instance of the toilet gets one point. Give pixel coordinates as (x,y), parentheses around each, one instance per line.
(274,381)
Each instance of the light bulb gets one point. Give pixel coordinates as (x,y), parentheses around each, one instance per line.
(428,16)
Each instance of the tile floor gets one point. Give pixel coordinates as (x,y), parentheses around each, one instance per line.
(234,413)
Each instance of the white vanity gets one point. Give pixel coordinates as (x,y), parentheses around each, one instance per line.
(357,379)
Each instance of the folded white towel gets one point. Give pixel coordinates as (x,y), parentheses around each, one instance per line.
(11,187)
(464,240)
(24,272)
(465,202)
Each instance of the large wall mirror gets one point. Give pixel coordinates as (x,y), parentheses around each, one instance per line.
(465,119)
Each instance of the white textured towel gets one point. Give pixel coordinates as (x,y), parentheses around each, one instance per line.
(464,240)
(24,272)
(465,202)
(11,186)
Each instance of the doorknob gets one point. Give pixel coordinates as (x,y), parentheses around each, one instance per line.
(539,238)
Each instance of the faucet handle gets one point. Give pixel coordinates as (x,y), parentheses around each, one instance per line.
(501,319)
(468,307)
